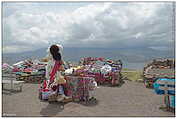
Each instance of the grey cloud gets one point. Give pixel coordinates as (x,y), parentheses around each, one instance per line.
(116,25)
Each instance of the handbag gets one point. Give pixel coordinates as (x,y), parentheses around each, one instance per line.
(61,80)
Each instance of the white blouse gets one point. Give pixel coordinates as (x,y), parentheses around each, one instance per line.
(49,68)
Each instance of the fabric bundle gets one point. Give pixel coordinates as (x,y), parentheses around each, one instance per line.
(6,67)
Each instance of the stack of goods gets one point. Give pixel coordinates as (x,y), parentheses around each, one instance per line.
(7,71)
(163,68)
(100,69)
(29,71)
(80,88)
(163,63)
(6,68)
(90,60)
(106,70)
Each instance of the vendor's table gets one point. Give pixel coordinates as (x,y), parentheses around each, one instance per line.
(10,78)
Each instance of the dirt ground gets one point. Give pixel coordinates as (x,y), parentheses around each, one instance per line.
(131,99)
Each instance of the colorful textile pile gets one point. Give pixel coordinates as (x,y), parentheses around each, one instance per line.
(28,70)
(79,87)
(103,70)
(6,68)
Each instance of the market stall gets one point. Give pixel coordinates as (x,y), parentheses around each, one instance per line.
(78,88)
(158,68)
(103,70)
(29,70)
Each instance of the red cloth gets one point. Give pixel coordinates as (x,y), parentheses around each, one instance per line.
(15,69)
(54,70)
(45,84)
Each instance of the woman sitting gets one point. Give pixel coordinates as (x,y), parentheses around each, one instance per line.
(53,72)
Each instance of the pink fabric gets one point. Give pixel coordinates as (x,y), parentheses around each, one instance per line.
(54,70)
(5,65)
(28,70)
(15,69)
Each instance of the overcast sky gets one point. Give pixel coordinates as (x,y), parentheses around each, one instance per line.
(31,26)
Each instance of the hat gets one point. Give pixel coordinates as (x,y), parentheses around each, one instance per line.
(60,46)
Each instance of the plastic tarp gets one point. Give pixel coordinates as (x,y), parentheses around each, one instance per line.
(160,91)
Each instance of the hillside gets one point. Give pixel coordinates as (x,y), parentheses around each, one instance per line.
(131,57)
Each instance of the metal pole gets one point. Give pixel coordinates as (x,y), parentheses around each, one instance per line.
(11,81)
(166,95)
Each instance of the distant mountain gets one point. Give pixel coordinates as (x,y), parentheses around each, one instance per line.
(129,56)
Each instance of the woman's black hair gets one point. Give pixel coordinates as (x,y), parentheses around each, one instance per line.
(54,50)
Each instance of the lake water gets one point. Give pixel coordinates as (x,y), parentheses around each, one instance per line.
(136,66)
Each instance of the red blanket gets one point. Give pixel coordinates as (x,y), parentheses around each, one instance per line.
(54,70)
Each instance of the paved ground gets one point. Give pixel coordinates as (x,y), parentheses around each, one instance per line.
(131,99)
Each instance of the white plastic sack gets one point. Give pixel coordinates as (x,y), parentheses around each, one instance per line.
(18,63)
(106,69)
(69,71)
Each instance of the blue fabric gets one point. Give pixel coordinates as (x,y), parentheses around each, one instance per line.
(114,69)
(45,95)
(172,101)
(61,91)
(159,91)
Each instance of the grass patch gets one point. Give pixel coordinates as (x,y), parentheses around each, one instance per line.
(132,75)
